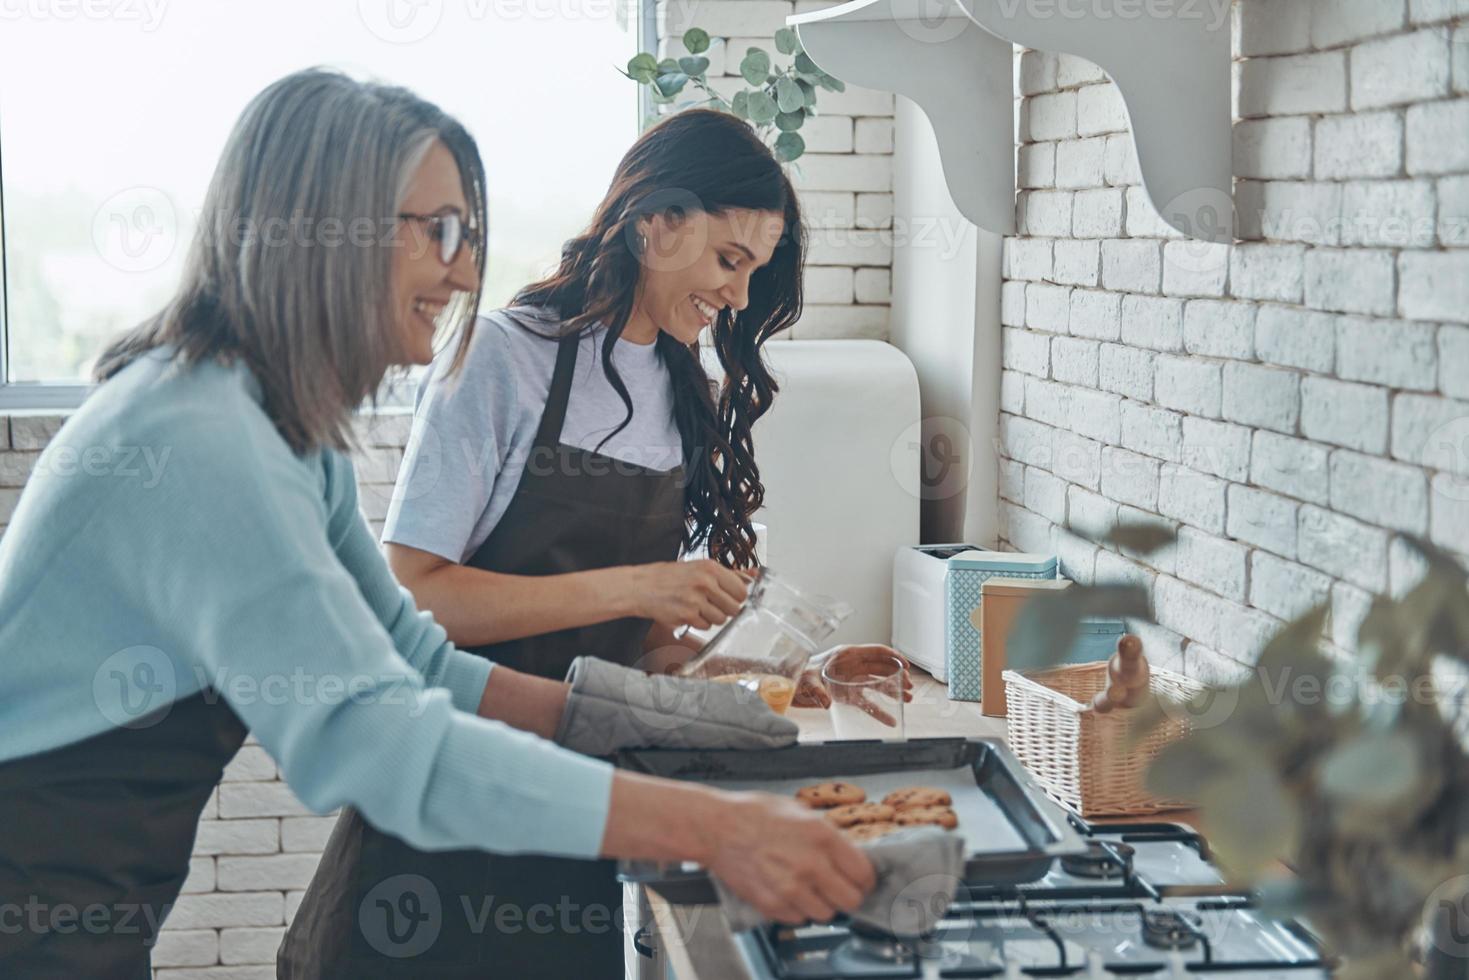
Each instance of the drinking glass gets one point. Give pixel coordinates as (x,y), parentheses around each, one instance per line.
(866,697)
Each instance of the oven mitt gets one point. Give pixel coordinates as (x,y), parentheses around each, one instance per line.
(918,871)
(612,707)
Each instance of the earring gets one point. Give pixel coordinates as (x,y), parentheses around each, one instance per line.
(642,243)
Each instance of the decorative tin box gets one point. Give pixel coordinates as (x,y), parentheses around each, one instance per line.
(967,572)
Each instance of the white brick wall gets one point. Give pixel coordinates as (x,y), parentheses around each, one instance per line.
(1297,401)
(845,178)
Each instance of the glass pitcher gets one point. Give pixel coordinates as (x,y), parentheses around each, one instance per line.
(764,648)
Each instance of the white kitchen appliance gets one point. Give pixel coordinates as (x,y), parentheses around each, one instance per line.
(918,603)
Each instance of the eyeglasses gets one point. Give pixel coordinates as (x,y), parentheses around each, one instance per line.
(448,229)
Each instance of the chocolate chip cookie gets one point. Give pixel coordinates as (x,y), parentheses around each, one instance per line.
(824,796)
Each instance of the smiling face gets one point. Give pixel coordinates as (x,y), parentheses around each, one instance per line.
(697,265)
(422,284)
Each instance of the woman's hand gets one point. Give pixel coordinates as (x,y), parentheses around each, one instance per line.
(699,593)
(787,861)
(848,661)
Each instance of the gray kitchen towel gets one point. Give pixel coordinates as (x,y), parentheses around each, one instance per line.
(918,871)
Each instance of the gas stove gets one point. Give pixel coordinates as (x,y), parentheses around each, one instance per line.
(1144,900)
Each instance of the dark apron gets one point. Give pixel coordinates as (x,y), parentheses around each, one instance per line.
(379,908)
(95,839)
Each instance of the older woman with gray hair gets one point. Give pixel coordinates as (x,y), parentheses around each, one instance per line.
(151,621)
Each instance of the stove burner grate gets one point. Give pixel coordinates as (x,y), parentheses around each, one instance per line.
(1102,860)
(1170,929)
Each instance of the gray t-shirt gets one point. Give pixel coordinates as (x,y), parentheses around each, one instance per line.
(473,432)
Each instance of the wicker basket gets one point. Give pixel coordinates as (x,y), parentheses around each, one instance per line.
(1080,757)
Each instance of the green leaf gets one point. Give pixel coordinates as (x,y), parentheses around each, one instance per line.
(789,122)
(808,91)
(696,40)
(1182,770)
(693,66)
(1252,820)
(1141,538)
(667,65)
(761,107)
(788,95)
(1046,627)
(806,66)
(789,146)
(739,105)
(832,84)
(672,83)
(642,68)
(1375,769)
(755,66)
(786,41)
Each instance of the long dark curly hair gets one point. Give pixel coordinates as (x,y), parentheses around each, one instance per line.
(703,160)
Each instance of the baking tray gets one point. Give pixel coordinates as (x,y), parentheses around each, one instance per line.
(1012,830)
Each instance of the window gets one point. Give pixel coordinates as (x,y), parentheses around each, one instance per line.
(114,112)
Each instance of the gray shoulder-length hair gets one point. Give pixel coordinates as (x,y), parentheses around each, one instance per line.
(290,269)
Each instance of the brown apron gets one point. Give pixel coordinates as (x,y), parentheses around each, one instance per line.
(95,839)
(379,908)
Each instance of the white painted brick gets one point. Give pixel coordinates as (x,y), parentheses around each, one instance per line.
(1090,514)
(1219,329)
(1285,589)
(1296,338)
(873,285)
(222,910)
(848,246)
(1263,519)
(1449,512)
(1244,632)
(1273,272)
(1460,55)
(1121,164)
(1012,392)
(1221,448)
(9,498)
(1189,384)
(1025,440)
(871,136)
(1012,304)
(1094,414)
(1097,214)
(1290,466)
(1048,402)
(1143,219)
(274,871)
(1079,163)
(1097,315)
(842,171)
(1349,607)
(1214,563)
(1429,430)
(855,101)
(16,467)
(1036,166)
(1187,610)
(1132,266)
(1028,531)
(1192,497)
(251,763)
(842,322)
(1048,213)
(250,946)
(1396,353)
(1265,397)
(1380,492)
(1037,72)
(1047,307)
(306,833)
(1072,71)
(1453,360)
(1078,263)
(1113,569)
(1076,557)
(186,947)
(1194,268)
(1453,208)
(826,284)
(259,800)
(1012,480)
(1431,11)
(874,210)
(1336,22)
(831,134)
(34,431)
(1074,361)
(1434,285)
(1076,459)
(1438,138)
(1290,211)
(1045,495)
(200,877)
(1125,370)
(1099,109)
(1162,559)
(1152,431)
(1297,84)
(1130,478)
(238,837)
(1350,281)
(1273,149)
(1343,548)
(1368,144)
(1405,568)
(828,209)
(1395,70)
(1345,414)
(1273,26)
(1027,258)
(744,19)
(1389,213)
(1053,117)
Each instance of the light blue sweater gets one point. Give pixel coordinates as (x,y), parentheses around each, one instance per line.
(169,541)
